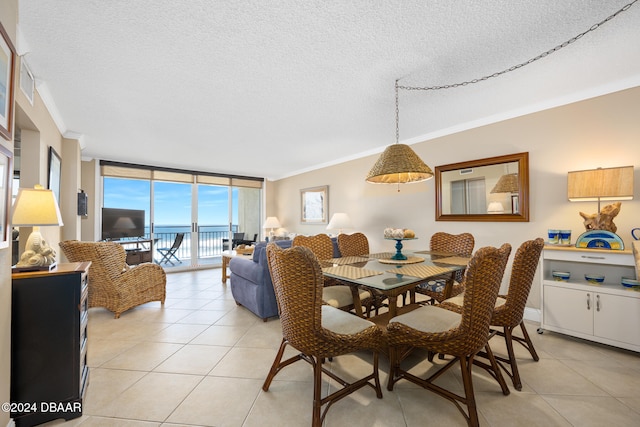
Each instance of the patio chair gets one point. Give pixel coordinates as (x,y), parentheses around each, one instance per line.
(169,254)
(318,331)
(509,309)
(458,244)
(461,335)
(238,238)
(334,293)
(112,284)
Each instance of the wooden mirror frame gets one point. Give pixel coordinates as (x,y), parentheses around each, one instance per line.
(523,194)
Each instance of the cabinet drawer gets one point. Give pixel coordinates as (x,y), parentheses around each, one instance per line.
(589,256)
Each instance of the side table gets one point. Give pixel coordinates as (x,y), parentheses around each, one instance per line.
(226,257)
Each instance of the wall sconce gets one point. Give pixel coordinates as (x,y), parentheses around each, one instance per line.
(36,207)
(339,221)
(271,222)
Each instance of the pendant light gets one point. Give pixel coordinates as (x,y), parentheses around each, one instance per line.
(399,164)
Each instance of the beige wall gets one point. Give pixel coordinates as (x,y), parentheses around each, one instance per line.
(601,132)
(8,18)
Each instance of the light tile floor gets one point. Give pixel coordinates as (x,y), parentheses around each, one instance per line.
(201,361)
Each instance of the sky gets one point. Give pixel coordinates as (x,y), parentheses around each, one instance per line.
(172,201)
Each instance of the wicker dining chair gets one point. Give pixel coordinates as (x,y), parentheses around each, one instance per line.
(112,283)
(509,309)
(318,331)
(458,244)
(334,293)
(461,335)
(357,244)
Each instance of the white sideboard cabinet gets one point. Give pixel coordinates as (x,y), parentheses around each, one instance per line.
(607,313)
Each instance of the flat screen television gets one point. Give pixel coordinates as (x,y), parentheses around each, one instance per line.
(122,223)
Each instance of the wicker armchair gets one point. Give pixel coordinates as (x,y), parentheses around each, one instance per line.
(460,244)
(112,283)
(316,330)
(461,335)
(334,293)
(509,309)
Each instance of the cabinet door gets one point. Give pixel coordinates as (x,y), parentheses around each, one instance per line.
(617,318)
(568,309)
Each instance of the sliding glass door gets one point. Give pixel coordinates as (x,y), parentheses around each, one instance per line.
(191,216)
(172,219)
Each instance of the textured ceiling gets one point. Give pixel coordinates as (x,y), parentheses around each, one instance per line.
(276,87)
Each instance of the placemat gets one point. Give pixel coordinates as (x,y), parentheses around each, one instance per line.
(455,260)
(409,260)
(350,272)
(421,271)
(381,255)
(348,260)
(427,252)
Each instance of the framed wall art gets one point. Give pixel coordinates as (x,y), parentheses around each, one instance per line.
(314,207)
(6,178)
(55,166)
(7,61)
(27,82)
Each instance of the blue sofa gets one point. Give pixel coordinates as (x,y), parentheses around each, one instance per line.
(251,284)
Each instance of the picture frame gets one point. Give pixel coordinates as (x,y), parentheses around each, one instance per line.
(314,205)
(7,79)
(55,168)
(27,81)
(515,204)
(6,180)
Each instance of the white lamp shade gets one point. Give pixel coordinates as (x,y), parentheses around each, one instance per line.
(36,207)
(271,222)
(339,221)
(495,208)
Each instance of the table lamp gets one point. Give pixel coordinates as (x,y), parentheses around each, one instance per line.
(271,222)
(36,207)
(339,221)
(609,184)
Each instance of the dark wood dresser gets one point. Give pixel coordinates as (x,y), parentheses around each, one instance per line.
(49,372)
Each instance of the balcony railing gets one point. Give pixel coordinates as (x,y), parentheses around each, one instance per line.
(210,243)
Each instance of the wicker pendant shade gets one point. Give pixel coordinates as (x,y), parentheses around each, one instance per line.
(399,164)
(506,184)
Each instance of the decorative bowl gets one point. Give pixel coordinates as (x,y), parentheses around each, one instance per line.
(629,282)
(594,278)
(561,276)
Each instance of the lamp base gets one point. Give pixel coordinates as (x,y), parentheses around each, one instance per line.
(25,268)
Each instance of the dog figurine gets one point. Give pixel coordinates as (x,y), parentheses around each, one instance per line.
(602,221)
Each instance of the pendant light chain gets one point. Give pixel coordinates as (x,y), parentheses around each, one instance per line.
(514,67)
(397,116)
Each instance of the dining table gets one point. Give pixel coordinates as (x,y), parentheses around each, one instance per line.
(392,278)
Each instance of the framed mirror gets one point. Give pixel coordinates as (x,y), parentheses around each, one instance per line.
(495,189)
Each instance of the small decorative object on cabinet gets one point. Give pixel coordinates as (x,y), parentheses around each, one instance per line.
(607,312)
(49,372)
